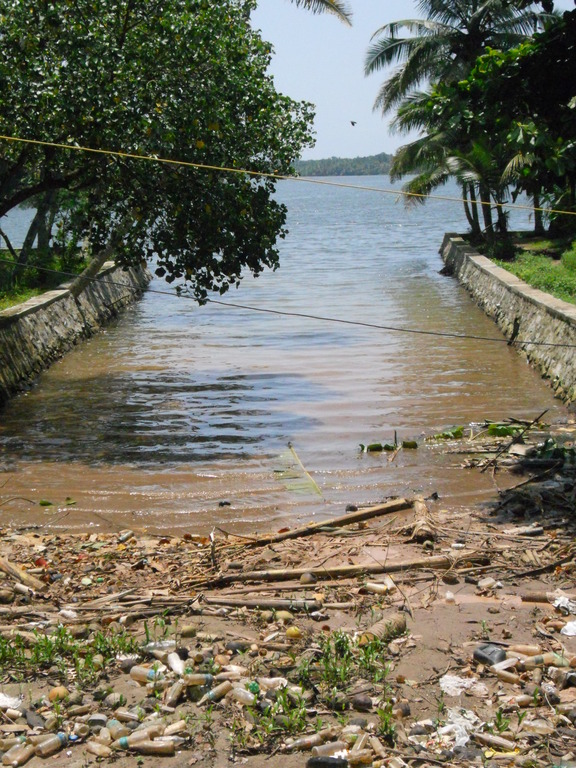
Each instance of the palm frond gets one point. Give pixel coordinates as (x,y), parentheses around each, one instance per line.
(336,7)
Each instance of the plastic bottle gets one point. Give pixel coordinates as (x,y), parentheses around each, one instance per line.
(100,750)
(141,734)
(360,757)
(243,696)
(305,743)
(198,679)
(173,695)
(18,754)
(154,747)
(175,663)
(507,677)
(51,744)
(175,728)
(145,674)
(329,749)
(117,729)
(217,693)
(126,715)
(544,660)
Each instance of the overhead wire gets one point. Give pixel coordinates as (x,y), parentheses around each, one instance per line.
(324,318)
(308,180)
(278,176)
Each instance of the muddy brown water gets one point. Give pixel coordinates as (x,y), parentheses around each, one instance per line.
(177,417)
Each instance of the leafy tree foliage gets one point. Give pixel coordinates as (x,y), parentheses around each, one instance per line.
(181,80)
(444,44)
(510,123)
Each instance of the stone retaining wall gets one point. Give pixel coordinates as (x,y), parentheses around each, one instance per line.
(522,313)
(35,334)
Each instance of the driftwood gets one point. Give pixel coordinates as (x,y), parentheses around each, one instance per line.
(346,571)
(386,629)
(543,597)
(19,574)
(274,605)
(336,522)
(421,530)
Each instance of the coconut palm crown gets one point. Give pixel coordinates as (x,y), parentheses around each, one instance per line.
(446,43)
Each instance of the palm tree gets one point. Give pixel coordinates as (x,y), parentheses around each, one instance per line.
(336,7)
(446,43)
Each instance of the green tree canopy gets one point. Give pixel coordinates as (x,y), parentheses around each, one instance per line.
(444,44)
(181,80)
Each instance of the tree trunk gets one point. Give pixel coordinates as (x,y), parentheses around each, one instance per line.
(486,204)
(538,214)
(36,226)
(471,208)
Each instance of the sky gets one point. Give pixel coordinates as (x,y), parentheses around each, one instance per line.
(319,59)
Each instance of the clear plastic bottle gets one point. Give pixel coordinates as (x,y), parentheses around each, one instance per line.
(154,747)
(243,696)
(51,744)
(175,663)
(117,729)
(329,749)
(173,695)
(98,749)
(145,674)
(198,679)
(18,754)
(141,734)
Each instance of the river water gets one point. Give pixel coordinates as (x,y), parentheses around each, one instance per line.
(178,417)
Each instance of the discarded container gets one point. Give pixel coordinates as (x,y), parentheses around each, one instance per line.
(217,693)
(544,660)
(360,757)
(526,650)
(243,696)
(329,749)
(51,744)
(489,654)
(117,729)
(175,663)
(174,728)
(564,678)
(95,748)
(173,695)
(507,677)
(198,679)
(154,747)
(18,754)
(539,726)
(141,734)
(313,740)
(145,674)
(126,715)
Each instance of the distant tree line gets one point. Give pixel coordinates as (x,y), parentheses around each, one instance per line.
(373,165)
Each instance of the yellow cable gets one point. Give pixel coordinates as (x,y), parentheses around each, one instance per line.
(280,177)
